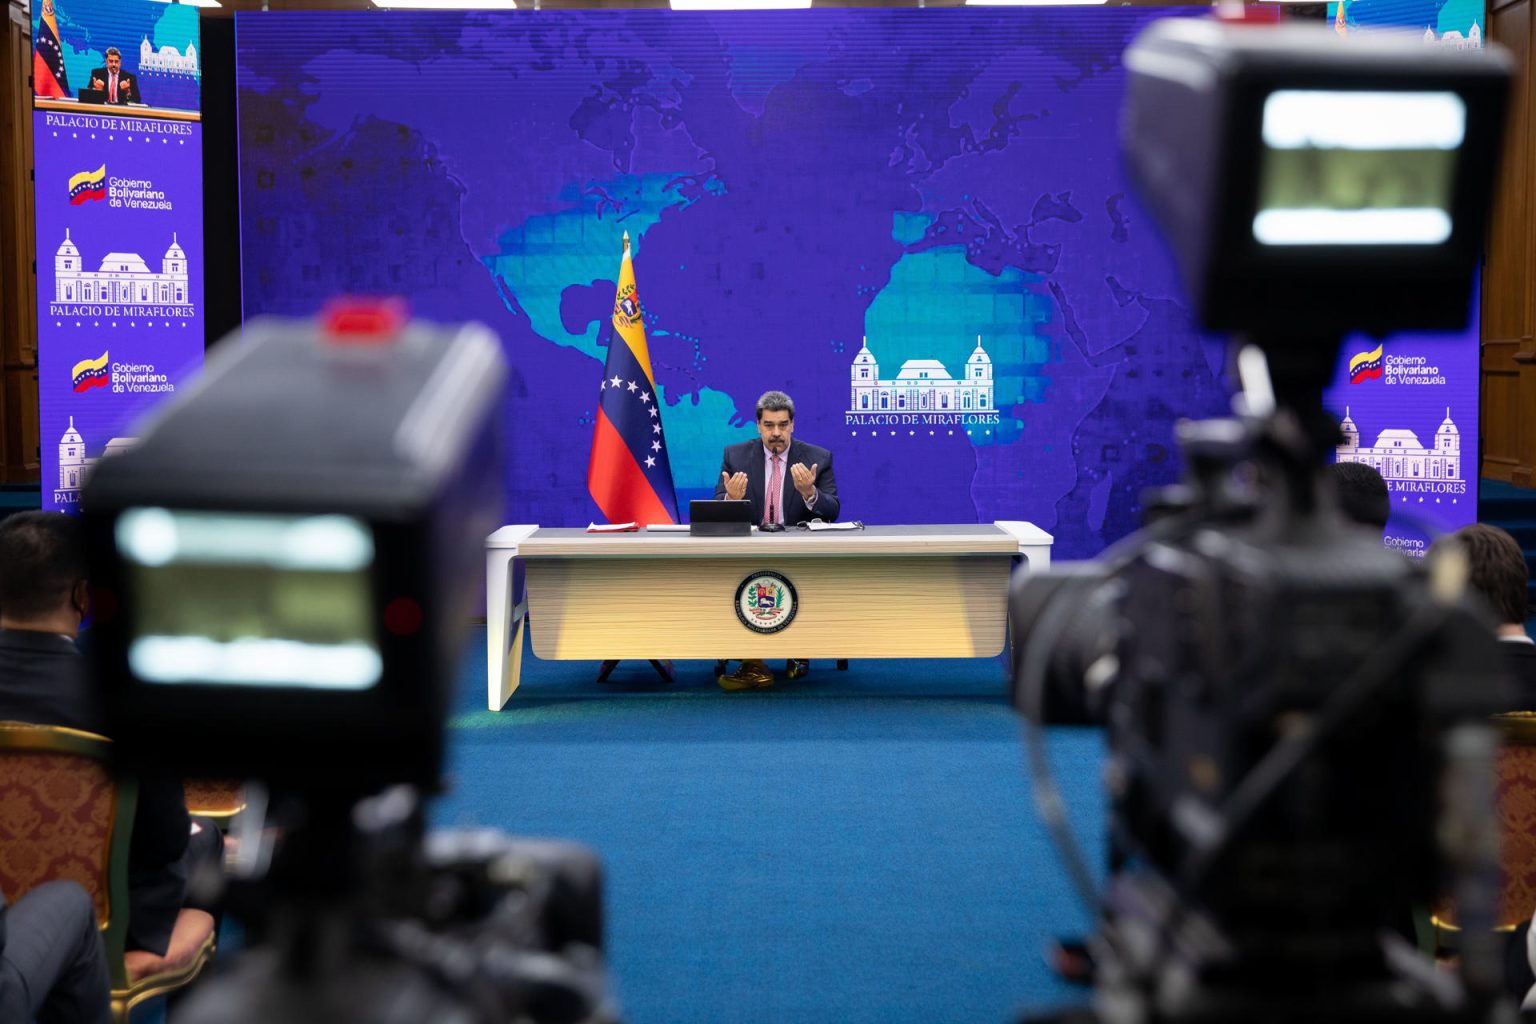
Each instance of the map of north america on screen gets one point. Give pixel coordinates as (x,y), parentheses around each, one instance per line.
(915,222)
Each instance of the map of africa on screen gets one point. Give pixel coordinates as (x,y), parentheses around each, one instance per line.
(915,222)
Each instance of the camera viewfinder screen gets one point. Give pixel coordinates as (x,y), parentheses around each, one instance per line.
(1358,168)
(241,599)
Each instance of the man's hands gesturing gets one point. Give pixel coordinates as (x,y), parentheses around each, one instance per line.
(805,482)
(735,486)
(805,479)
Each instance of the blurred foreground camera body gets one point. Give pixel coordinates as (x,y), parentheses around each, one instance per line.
(1310,184)
(283,565)
(284,569)
(1297,720)
(496,930)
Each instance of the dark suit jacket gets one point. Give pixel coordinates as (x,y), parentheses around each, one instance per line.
(747,458)
(1520,659)
(42,681)
(127,85)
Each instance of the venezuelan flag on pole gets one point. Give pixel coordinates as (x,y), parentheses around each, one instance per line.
(629,475)
(48,76)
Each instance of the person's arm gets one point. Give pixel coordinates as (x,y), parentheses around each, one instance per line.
(808,481)
(161,826)
(732,485)
(825,505)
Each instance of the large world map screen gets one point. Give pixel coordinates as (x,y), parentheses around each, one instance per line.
(915,222)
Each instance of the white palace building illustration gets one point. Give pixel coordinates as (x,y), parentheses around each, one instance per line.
(167,59)
(73,463)
(124,278)
(1473,40)
(168,77)
(1399,456)
(921,385)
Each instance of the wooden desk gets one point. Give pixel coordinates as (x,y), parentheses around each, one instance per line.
(67,106)
(881,592)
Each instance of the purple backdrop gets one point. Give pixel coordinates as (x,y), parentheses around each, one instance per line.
(799,185)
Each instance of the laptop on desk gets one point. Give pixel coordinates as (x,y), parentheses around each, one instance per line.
(708,518)
(93,95)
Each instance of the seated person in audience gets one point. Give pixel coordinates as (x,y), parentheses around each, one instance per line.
(1362,495)
(43,681)
(786,482)
(53,968)
(1499,576)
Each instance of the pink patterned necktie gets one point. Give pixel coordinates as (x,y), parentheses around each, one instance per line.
(775,485)
(112,92)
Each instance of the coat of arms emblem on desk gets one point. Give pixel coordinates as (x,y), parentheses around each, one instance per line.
(766,602)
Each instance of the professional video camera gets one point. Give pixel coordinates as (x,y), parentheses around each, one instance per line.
(1296,717)
(283,571)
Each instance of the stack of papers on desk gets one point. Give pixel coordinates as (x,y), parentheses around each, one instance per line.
(817,524)
(612,527)
(667,528)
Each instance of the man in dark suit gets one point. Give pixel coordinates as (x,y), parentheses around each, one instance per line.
(1498,574)
(787,482)
(119,85)
(43,681)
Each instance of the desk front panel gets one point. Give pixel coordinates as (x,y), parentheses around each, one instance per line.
(891,606)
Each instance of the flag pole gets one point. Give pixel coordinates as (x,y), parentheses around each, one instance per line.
(612,455)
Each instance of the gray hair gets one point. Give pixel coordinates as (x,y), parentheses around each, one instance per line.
(775,401)
(113,51)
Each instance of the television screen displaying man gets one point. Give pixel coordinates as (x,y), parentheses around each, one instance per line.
(787,482)
(115,84)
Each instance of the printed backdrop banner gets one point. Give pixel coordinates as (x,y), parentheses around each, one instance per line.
(1408,403)
(118,191)
(1408,407)
(913,221)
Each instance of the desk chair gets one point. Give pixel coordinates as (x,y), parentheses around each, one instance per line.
(1515,804)
(219,799)
(65,817)
(1514,777)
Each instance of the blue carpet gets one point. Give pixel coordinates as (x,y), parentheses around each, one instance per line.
(855,846)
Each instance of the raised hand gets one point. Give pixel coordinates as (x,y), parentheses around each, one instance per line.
(805,479)
(735,486)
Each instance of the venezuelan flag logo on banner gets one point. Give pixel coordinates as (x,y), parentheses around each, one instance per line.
(88,185)
(48,75)
(90,373)
(629,475)
(1365,366)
